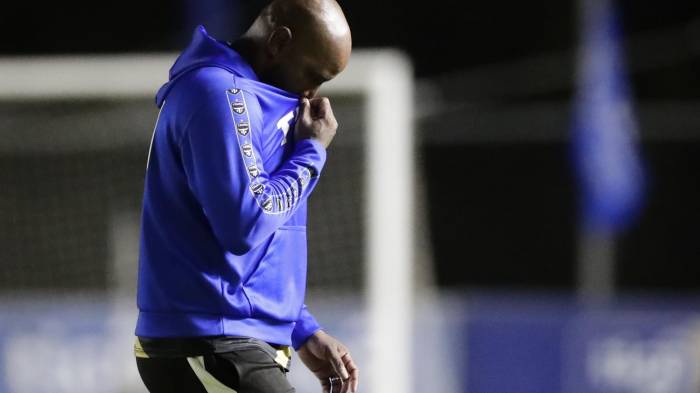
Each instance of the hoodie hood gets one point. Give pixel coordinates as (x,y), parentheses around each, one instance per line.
(205,51)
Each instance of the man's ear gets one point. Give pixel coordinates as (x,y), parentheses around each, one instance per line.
(278,40)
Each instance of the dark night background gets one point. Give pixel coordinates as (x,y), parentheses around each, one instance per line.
(446,37)
(513,199)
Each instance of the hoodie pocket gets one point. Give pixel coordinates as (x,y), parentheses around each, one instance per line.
(276,288)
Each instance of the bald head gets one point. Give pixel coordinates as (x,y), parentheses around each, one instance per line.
(323,18)
(298,44)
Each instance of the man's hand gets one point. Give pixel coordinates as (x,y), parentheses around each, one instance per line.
(316,121)
(327,358)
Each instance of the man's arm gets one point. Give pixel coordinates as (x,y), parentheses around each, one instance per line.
(220,149)
(305,327)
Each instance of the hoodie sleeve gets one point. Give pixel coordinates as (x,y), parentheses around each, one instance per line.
(220,149)
(305,327)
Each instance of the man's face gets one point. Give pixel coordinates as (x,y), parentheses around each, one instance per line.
(300,76)
(302,69)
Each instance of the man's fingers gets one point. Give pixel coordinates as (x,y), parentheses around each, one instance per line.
(315,120)
(338,385)
(338,365)
(339,368)
(305,109)
(349,381)
(321,108)
(353,370)
(326,385)
(333,384)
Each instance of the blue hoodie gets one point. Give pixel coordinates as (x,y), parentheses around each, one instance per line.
(223,230)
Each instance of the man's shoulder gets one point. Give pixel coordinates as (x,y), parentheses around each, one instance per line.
(203,80)
(213,83)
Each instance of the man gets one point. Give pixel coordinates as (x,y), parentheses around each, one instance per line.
(238,146)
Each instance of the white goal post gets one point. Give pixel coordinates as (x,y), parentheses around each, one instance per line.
(384,78)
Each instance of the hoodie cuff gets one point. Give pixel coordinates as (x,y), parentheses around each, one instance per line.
(305,327)
(313,153)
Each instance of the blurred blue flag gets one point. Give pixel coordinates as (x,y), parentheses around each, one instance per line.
(604,134)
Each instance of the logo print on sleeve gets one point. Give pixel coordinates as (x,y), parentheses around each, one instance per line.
(269,200)
(257,188)
(295,192)
(243,128)
(238,107)
(305,176)
(267,204)
(253,170)
(247,149)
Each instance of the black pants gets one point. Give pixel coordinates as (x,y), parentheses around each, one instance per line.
(248,369)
